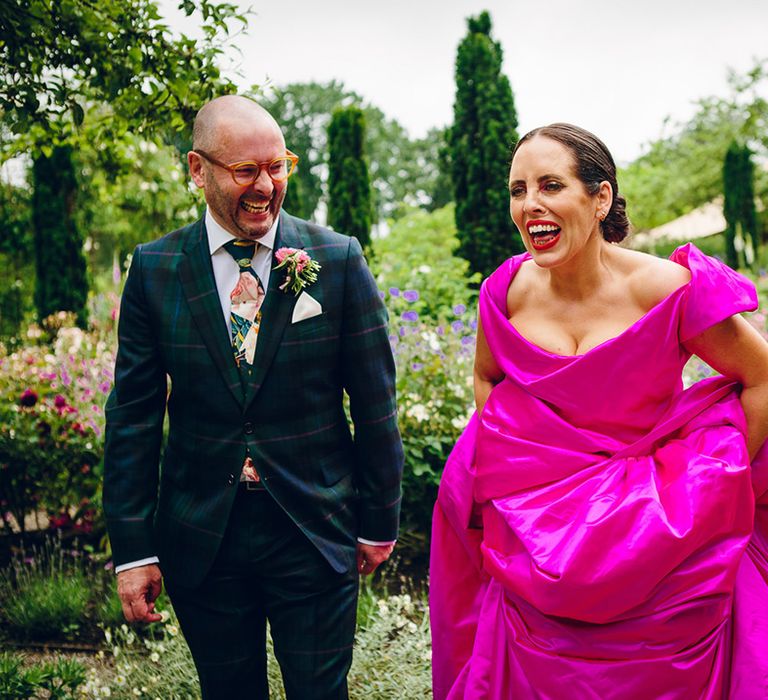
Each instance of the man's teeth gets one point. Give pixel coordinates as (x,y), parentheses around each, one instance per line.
(543,228)
(254,208)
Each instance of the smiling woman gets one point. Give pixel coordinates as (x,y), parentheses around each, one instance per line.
(596,531)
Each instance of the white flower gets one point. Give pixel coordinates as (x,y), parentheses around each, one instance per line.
(154,656)
(418,412)
(165,615)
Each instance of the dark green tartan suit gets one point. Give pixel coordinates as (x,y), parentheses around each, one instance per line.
(290,414)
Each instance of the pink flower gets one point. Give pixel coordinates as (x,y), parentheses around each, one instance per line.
(28,398)
(59,401)
(283,253)
(300,269)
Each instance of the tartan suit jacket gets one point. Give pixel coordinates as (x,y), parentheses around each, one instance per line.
(334,486)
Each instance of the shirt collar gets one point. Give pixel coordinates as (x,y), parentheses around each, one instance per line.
(218,235)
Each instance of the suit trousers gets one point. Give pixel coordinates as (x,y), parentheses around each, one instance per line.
(267,569)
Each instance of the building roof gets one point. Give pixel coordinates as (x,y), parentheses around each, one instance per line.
(706,220)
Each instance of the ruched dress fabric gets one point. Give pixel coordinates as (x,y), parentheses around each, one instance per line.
(599,533)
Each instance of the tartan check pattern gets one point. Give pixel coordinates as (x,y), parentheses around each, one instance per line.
(287,414)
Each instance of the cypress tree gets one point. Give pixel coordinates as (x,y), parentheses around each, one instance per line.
(481,138)
(741,232)
(62,283)
(349,187)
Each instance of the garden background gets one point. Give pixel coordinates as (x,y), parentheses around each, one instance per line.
(96,105)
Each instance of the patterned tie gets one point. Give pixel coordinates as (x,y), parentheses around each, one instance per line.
(245,319)
(247,298)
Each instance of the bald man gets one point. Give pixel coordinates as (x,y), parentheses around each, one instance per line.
(263,505)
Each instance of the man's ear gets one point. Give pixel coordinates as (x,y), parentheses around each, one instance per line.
(195,162)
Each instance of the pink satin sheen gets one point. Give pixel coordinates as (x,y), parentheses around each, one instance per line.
(599,532)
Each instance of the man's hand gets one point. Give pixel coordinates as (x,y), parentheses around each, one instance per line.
(138,588)
(369,556)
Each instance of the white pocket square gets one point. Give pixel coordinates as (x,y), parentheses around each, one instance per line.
(306,307)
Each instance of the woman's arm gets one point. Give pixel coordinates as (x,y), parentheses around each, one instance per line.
(486,372)
(735,349)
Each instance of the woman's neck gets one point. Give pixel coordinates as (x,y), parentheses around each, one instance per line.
(585,273)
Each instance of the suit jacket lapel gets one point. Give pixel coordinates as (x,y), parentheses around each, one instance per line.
(277,308)
(199,285)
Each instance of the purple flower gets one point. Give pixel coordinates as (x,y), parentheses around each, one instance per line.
(473,324)
(467,340)
(104,387)
(381,294)
(459,309)
(394,291)
(411,295)
(409,316)
(59,401)
(66,380)
(457,326)
(416,366)
(28,398)
(440,330)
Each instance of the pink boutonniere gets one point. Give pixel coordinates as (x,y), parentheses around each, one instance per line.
(300,269)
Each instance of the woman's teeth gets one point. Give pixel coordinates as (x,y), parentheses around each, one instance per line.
(542,228)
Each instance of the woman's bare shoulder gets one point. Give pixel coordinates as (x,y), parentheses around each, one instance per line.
(522,284)
(652,279)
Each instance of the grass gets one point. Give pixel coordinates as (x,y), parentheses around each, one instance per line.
(44,594)
(58,680)
(391,660)
(56,594)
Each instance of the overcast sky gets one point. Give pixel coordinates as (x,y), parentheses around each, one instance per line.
(615,67)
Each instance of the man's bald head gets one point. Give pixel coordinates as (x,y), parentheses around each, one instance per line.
(229,130)
(229,111)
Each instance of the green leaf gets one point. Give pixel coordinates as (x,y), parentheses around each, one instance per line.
(77,114)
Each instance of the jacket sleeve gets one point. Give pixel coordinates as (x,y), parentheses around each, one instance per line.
(134,412)
(369,380)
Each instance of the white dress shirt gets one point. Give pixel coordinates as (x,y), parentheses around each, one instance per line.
(226,271)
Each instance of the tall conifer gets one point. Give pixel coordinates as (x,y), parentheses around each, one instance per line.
(481,139)
(741,234)
(349,187)
(62,282)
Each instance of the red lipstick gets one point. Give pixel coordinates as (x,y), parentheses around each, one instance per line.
(543,240)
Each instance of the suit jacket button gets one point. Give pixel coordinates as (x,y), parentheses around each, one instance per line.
(231,480)
(248,427)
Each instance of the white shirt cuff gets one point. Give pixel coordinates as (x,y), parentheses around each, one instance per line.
(375,544)
(136,564)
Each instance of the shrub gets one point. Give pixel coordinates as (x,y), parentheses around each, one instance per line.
(51,423)
(434,387)
(418,253)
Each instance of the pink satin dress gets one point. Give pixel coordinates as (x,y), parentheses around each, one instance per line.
(600,533)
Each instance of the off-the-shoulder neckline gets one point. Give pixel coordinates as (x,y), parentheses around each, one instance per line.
(518,260)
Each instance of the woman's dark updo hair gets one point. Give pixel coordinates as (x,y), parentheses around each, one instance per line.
(594,164)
